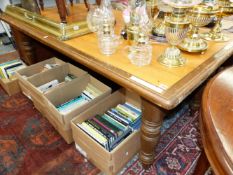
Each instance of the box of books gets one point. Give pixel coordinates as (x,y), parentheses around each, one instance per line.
(9,64)
(108,133)
(65,133)
(70,100)
(41,83)
(24,74)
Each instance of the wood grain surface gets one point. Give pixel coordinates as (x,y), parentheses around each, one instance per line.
(217,122)
(167,86)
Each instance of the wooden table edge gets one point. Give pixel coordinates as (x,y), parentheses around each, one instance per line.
(167,100)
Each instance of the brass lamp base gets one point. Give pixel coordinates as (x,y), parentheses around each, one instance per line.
(219,37)
(172,58)
(193,45)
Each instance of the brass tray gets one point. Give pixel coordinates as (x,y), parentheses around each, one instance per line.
(61,30)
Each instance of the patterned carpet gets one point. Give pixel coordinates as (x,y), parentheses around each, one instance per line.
(179,147)
(30,145)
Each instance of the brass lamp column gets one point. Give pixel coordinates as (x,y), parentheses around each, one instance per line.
(199,16)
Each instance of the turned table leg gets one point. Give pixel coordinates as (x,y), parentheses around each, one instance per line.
(61,6)
(150,131)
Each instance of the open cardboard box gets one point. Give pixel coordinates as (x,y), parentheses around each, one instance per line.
(38,67)
(109,162)
(24,74)
(65,133)
(11,86)
(74,89)
(29,85)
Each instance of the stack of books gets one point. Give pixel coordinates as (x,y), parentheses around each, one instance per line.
(113,126)
(8,69)
(87,95)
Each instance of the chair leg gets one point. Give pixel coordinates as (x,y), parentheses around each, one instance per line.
(98,2)
(86,4)
(61,6)
(71,2)
(41,3)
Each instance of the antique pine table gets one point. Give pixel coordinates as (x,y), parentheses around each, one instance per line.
(161,88)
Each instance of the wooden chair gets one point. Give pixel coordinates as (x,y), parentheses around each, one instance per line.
(62,10)
(61,6)
(216,122)
(41,3)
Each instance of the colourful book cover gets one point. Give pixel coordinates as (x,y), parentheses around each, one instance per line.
(118,118)
(110,125)
(104,126)
(117,112)
(101,129)
(114,122)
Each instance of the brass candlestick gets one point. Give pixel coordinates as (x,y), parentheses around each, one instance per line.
(215,34)
(199,16)
(177,26)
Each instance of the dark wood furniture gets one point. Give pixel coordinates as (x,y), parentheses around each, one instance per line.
(216,122)
(161,89)
(41,3)
(62,8)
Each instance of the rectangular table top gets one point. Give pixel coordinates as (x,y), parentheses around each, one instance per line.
(165,87)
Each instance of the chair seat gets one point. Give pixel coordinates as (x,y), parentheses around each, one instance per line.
(217,122)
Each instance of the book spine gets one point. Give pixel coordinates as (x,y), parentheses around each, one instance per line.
(132,108)
(118,118)
(121,115)
(94,89)
(108,135)
(110,125)
(101,134)
(93,92)
(125,112)
(86,97)
(71,105)
(88,94)
(119,139)
(95,134)
(104,126)
(11,67)
(92,134)
(102,129)
(114,122)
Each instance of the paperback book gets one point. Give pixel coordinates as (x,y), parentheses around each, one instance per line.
(8,69)
(88,94)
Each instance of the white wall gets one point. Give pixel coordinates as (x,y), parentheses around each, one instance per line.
(3,5)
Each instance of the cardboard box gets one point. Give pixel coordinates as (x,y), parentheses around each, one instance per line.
(65,133)
(38,67)
(109,162)
(11,86)
(23,74)
(74,89)
(62,94)
(29,85)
